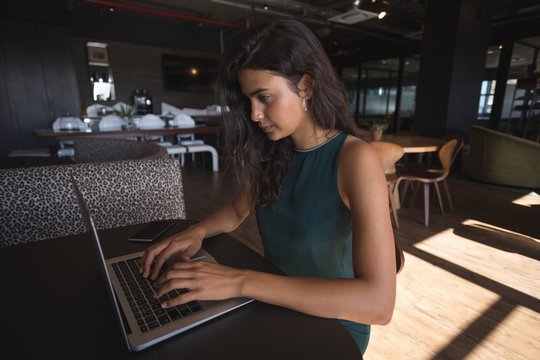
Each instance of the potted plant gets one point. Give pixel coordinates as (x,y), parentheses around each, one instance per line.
(125,112)
(378,126)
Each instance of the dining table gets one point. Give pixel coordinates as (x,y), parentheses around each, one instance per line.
(412,144)
(142,134)
(415,143)
(55,304)
(54,138)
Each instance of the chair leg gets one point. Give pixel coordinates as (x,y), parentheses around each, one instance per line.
(393,205)
(426,204)
(448,196)
(439,197)
(413,200)
(404,191)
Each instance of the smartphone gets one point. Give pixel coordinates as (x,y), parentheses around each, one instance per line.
(151,231)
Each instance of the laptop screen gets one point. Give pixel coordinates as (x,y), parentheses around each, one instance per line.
(91,228)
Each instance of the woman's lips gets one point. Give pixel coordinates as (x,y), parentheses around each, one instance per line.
(266,128)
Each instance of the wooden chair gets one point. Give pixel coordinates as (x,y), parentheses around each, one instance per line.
(457,149)
(428,175)
(438,168)
(389,154)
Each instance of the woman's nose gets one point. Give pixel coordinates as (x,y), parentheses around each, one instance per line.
(256,115)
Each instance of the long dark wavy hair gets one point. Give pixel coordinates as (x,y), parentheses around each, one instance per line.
(289,49)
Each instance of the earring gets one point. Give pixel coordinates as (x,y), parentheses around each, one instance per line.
(304,103)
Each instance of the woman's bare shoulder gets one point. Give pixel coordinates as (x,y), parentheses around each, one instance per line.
(358,151)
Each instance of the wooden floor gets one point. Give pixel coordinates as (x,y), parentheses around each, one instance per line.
(470,288)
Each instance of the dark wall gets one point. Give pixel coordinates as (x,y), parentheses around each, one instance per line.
(8,134)
(39,81)
(138,66)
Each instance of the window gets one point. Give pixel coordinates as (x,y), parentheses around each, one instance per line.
(487,93)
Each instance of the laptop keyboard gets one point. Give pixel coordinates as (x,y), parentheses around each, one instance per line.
(140,296)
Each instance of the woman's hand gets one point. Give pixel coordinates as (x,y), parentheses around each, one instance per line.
(205,281)
(186,243)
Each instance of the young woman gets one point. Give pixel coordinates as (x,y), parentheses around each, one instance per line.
(318,191)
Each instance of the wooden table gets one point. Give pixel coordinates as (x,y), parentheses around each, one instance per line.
(143,134)
(414,143)
(54,137)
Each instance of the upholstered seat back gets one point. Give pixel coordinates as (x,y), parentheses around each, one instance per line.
(103,149)
(38,203)
(504,159)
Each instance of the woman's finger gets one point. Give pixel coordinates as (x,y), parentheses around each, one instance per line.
(172,284)
(149,256)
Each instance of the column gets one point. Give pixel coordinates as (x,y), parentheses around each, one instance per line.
(456,36)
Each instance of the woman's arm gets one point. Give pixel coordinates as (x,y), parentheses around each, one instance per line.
(368,298)
(189,241)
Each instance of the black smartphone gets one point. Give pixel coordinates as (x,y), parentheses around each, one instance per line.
(151,231)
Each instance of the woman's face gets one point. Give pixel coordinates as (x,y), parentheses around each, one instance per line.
(276,108)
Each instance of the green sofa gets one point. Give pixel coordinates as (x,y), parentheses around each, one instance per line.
(504,159)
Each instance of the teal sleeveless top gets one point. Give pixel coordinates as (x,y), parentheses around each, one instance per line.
(308,231)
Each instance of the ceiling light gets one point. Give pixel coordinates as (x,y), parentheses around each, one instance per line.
(381,14)
(266,7)
(356,3)
(353,16)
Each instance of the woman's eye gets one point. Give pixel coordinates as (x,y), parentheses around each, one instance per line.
(263,98)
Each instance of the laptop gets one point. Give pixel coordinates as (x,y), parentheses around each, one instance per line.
(142,320)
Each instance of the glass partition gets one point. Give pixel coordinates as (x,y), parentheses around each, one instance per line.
(350,80)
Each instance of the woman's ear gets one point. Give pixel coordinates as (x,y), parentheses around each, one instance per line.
(305,86)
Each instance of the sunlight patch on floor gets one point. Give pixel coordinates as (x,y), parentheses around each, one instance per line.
(520,272)
(528,200)
(511,333)
(450,316)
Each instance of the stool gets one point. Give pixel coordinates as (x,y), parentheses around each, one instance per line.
(177,151)
(191,142)
(206,148)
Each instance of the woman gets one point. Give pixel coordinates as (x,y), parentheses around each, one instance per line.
(318,191)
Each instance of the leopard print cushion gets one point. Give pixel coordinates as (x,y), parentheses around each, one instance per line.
(103,149)
(39,203)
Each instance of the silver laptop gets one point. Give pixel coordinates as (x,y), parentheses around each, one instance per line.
(141,318)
